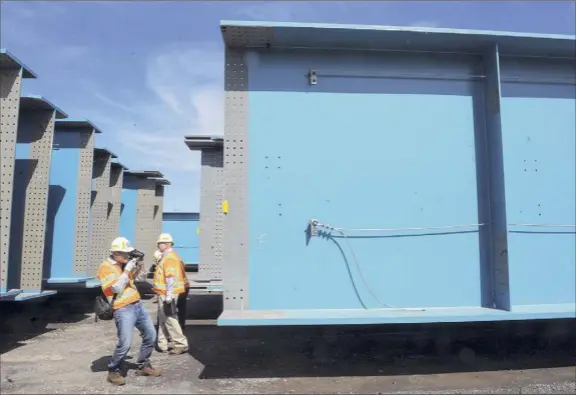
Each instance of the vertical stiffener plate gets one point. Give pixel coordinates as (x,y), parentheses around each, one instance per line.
(98,219)
(115,197)
(145,237)
(10,87)
(211,220)
(84,193)
(35,130)
(497,226)
(158,209)
(235,236)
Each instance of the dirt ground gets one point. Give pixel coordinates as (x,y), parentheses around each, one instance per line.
(54,347)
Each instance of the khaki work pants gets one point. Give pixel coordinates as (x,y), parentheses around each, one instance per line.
(168,326)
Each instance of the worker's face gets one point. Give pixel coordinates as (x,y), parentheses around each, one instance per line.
(121,257)
(163,246)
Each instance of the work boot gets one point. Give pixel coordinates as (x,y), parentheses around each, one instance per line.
(147,370)
(116,378)
(178,350)
(161,350)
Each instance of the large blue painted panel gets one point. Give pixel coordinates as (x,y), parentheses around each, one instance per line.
(128,209)
(184,229)
(539,123)
(62,196)
(358,152)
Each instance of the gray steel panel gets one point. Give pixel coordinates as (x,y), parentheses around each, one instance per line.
(84,193)
(98,220)
(158,208)
(115,200)
(10,87)
(145,235)
(247,36)
(235,236)
(211,220)
(37,129)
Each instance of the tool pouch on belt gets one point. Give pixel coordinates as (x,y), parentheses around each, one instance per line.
(170,308)
(103,309)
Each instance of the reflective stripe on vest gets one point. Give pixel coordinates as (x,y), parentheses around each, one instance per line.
(159,280)
(125,297)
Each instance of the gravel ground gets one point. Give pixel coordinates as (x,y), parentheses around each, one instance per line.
(60,350)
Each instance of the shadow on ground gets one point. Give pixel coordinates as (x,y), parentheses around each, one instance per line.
(101,365)
(336,351)
(22,321)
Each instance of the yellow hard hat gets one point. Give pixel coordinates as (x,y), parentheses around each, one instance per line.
(121,244)
(165,238)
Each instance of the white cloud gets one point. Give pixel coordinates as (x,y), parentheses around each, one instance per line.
(184,96)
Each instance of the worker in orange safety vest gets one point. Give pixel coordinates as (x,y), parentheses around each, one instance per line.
(182,300)
(169,282)
(117,275)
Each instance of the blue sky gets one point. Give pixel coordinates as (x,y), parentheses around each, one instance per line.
(148,73)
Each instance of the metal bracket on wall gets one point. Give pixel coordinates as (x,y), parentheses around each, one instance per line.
(313,227)
(312,77)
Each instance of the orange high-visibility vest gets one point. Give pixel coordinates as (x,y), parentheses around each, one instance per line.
(169,266)
(108,274)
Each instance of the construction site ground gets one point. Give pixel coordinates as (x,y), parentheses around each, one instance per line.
(54,346)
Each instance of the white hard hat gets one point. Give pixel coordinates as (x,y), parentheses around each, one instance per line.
(165,238)
(157,255)
(121,244)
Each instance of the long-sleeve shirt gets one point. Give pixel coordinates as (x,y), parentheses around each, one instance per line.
(115,281)
(120,283)
(169,276)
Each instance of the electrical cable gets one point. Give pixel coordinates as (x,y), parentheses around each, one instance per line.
(396,229)
(544,225)
(357,262)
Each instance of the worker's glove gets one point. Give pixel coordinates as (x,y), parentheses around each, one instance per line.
(130,265)
(141,273)
(169,297)
(169,306)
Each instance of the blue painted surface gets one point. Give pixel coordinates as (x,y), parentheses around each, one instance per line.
(360,152)
(64,280)
(26,71)
(184,230)
(324,29)
(93,283)
(539,138)
(28,295)
(370,146)
(128,208)
(62,207)
(383,316)
(315,35)
(9,295)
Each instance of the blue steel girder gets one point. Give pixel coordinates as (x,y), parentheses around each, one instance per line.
(69,203)
(272,277)
(30,196)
